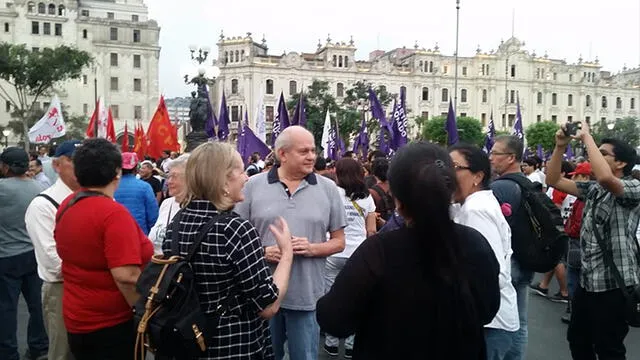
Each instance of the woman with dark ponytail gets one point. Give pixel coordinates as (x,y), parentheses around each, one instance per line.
(424,291)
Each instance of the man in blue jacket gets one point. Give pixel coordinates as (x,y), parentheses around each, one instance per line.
(136,195)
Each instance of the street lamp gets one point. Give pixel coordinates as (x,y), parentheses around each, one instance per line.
(611,125)
(6,133)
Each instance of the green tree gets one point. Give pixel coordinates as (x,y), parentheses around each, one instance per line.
(76,124)
(543,133)
(420,122)
(469,130)
(317,100)
(30,75)
(625,129)
(358,95)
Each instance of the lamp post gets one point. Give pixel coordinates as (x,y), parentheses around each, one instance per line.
(455,80)
(6,133)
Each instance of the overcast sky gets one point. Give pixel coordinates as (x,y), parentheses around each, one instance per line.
(564,28)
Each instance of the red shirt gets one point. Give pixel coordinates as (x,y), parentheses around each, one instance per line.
(94,235)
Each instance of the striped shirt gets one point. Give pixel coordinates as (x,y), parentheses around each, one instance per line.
(230,262)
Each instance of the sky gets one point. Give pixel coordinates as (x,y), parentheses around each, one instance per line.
(565,29)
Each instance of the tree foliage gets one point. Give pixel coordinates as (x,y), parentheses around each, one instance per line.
(32,74)
(543,133)
(625,129)
(469,130)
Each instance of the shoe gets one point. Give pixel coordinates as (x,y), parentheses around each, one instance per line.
(348,353)
(331,350)
(559,298)
(538,290)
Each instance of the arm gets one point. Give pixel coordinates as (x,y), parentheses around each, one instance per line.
(370,222)
(40,222)
(125,278)
(599,166)
(554,167)
(158,197)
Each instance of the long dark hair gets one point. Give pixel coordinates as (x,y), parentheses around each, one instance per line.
(422,179)
(350,177)
(478,161)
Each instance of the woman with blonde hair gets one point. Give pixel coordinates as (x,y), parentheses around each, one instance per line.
(229,265)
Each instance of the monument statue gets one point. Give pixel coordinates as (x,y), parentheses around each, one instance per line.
(198,110)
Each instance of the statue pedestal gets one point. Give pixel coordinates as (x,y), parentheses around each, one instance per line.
(194,139)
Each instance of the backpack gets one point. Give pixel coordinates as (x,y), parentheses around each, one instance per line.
(389,205)
(168,318)
(538,239)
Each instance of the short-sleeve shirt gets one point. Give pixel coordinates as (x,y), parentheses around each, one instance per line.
(356,231)
(314,209)
(15,196)
(617,220)
(156,185)
(95,235)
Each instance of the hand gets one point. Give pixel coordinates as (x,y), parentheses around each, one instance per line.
(301,246)
(379,220)
(584,131)
(280,230)
(272,254)
(562,140)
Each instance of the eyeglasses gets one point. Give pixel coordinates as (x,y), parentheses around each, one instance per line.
(460,167)
(605,153)
(496,153)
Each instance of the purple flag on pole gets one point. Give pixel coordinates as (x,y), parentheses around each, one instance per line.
(518,130)
(361,143)
(451,127)
(334,151)
(299,116)
(212,122)
(540,152)
(569,152)
(241,136)
(248,143)
(223,128)
(281,121)
(491,134)
(399,123)
(377,112)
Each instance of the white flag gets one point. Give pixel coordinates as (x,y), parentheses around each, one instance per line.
(101,115)
(50,126)
(261,126)
(325,135)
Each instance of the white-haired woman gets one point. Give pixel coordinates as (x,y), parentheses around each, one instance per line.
(178,191)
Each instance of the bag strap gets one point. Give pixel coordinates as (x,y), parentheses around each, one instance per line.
(202,233)
(384,197)
(358,207)
(50,199)
(522,181)
(79,196)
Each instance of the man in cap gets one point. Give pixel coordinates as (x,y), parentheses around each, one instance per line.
(136,195)
(18,269)
(41,222)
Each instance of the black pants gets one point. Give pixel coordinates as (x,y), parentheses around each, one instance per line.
(113,343)
(598,325)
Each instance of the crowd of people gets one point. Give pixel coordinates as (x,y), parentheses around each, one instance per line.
(411,256)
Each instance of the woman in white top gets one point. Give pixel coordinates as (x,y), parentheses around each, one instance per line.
(177,190)
(361,223)
(480,210)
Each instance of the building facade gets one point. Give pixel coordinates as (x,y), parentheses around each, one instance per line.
(119,35)
(488,82)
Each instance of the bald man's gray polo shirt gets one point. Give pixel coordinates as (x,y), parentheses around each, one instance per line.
(314,209)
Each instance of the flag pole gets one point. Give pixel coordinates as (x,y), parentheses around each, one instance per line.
(455,86)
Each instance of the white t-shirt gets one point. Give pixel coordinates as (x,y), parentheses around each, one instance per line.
(356,231)
(168,209)
(538,176)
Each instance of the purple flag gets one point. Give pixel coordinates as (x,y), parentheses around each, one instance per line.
(212,122)
(451,127)
(399,123)
(361,143)
(299,116)
(223,129)
(281,121)
(491,134)
(540,152)
(517,127)
(250,143)
(377,112)
(334,151)
(569,152)
(241,136)
(526,154)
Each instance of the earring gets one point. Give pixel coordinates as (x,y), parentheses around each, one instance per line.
(475,184)
(225,193)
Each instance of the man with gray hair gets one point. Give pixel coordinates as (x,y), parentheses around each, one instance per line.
(312,207)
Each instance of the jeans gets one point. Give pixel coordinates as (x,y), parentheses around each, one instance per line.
(301,331)
(521,280)
(112,343)
(573,280)
(498,342)
(333,267)
(598,325)
(19,274)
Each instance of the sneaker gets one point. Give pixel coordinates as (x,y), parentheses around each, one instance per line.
(331,350)
(538,290)
(348,353)
(559,298)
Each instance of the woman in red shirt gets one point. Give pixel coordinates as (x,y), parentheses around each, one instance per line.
(102,250)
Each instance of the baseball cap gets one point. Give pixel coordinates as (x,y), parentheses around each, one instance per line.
(16,158)
(147,162)
(582,169)
(129,160)
(67,148)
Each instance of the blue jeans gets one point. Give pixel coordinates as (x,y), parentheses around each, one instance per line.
(521,280)
(300,329)
(19,274)
(498,342)
(573,280)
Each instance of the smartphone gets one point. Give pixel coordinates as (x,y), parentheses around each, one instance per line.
(571,128)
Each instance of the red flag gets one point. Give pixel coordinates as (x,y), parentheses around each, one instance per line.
(111,129)
(125,139)
(140,146)
(160,132)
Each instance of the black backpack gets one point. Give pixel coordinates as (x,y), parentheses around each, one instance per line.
(538,239)
(168,317)
(389,205)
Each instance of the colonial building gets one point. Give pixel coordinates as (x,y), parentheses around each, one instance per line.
(489,81)
(117,33)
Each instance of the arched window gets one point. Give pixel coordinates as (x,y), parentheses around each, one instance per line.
(618,103)
(85,34)
(62,11)
(293,87)
(484,95)
(52,9)
(588,100)
(269,87)
(570,100)
(237,56)
(340,61)
(554,99)
(234,86)
(31,7)
(346,61)
(425,94)
(463,95)
(335,61)
(445,95)
(430,66)
(539,97)
(42,8)
(632,103)
(226,57)
(340,90)
(604,102)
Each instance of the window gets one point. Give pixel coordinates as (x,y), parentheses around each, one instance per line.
(587,119)
(35,49)
(269,87)
(485,69)
(111,16)
(538,118)
(430,66)
(335,60)
(588,100)
(632,103)
(513,71)
(136,62)
(46,28)
(226,57)
(340,90)
(241,55)
(504,121)
(235,113)
(464,71)
(35,27)
(237,56)
(84,13)
(137,112)
(137,84)
(135,18)
(114,59)
(85,108)
(340,61)
(463,114)
(268,113)
(570,77)
(445,95)
(42,8)
(136,39)
(6,27)
(445,69)
(425,114)
(293,87)
(512,97)
(31,7)
(85,34)
(554,118)
(7,106)
(85,79)
(58,29)
(425,94)
(115,111)
(346,61)
(604,102)
(570,100)
(52,9)
(484,96)
(403,90)
(555,76)
(114,84)
(421,65)
(554,99)
(569,118)
(483,119)
(234,86)
(62,11)
(463,95)
(113,34)
(618,103)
